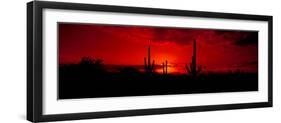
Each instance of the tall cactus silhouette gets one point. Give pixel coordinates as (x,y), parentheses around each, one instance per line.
(192,67)
(148,66)
(165,67)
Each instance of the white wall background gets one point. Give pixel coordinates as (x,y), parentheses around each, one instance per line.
(13,61)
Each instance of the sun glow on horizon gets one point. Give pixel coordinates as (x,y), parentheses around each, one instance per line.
(171,69)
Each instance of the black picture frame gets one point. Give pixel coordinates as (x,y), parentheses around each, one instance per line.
(34,60)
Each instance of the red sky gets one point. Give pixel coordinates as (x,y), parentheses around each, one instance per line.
(217,50)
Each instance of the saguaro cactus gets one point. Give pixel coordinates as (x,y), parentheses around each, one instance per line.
(192,67)
(165,67)
(148,66)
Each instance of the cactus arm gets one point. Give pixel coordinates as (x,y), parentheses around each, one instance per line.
(199,69)
(145,65)
(149,61)
(187,68)
(166,67)
(163,67)
(152,66)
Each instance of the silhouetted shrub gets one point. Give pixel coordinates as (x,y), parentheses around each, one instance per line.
(88,64)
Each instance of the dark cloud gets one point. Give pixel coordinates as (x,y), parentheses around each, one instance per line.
(181,36)
(251,38)
(185,36)
(240,38)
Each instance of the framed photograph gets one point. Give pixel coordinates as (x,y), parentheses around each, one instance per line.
(96,61)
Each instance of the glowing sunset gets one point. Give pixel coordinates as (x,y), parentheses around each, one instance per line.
(123,53)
